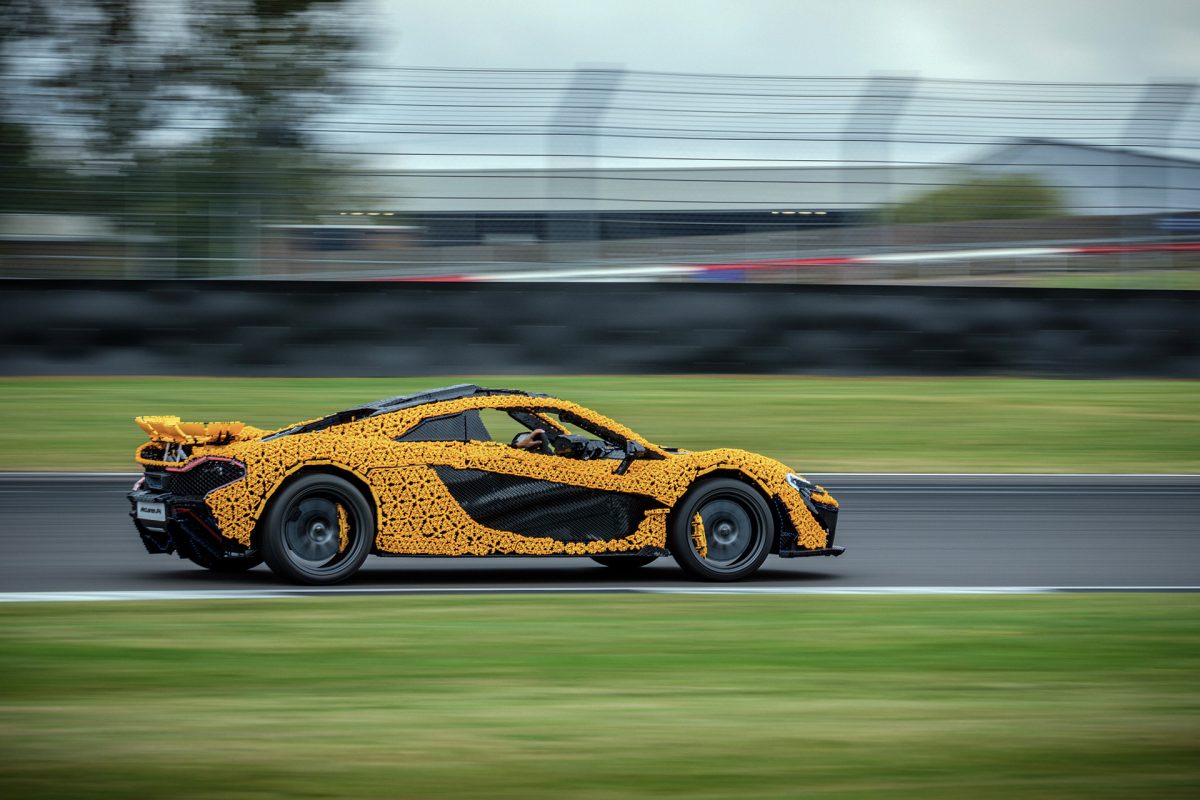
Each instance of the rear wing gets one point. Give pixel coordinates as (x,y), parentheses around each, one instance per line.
(175,431)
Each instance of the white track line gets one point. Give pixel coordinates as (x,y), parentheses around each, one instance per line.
(288,593)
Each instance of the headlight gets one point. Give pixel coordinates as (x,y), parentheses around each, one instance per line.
(800,484)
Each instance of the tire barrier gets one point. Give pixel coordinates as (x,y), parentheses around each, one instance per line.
(283,328)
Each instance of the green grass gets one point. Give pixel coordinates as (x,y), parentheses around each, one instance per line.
(1078,696)
(1185,279)
(813,424)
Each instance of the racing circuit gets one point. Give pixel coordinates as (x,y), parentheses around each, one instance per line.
(70,535)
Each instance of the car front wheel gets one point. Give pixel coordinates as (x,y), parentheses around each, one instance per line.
(319,530)
(721,530)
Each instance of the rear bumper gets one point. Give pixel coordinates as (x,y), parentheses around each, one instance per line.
(188,528)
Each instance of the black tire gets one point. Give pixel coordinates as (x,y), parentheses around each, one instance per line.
(305,537)
(738,530)
(624,563)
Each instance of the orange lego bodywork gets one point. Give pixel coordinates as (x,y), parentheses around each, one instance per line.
(417,514)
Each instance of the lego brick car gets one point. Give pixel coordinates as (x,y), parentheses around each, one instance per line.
(465,471)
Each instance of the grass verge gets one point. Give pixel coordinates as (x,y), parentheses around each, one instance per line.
(813,424)
(1088,696)
(1186,279)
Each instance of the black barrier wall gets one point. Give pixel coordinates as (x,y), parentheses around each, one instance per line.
(383,329)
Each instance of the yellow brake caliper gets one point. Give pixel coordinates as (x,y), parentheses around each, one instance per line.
(343,528)
(699,540)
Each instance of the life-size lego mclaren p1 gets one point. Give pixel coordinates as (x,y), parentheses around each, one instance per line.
(465,471)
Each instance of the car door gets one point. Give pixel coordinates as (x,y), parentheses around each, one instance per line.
(538,494)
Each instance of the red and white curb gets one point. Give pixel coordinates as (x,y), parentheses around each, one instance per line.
(651,272)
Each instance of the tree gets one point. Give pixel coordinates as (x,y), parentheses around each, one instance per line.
(980,197)
(263,69)
(29,183)
(193,117)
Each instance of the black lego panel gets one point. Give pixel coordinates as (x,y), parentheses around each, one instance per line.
(544,509)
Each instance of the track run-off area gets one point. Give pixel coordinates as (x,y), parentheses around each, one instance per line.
(69,537)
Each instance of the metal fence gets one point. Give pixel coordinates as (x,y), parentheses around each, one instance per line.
(604,173)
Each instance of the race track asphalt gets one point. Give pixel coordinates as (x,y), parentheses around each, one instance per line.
(71,534)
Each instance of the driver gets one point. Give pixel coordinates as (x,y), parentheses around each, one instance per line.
(578,447)
(534,438)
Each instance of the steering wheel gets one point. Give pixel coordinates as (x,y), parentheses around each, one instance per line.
(545,442)
(547,445)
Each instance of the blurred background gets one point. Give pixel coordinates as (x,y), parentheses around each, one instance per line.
(918,240)
(278,139)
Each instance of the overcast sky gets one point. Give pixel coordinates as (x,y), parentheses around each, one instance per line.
(1051,40)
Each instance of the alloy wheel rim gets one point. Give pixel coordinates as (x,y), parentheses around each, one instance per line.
(316,531)
(730,532)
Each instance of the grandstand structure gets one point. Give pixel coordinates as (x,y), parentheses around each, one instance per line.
(511,206)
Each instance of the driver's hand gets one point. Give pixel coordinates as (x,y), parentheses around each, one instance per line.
(534,438)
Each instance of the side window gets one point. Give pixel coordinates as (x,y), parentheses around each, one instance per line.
(578,427)
(499,426)
(574,430)
(447,428)
(476,431)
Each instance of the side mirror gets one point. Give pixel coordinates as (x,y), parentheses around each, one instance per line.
(633,450)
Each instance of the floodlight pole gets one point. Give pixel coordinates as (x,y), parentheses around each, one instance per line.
(571,143)
(1151,124)
(868,135)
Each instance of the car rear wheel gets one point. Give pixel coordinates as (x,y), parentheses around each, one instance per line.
(624,563)
(318,530)
(721,530)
